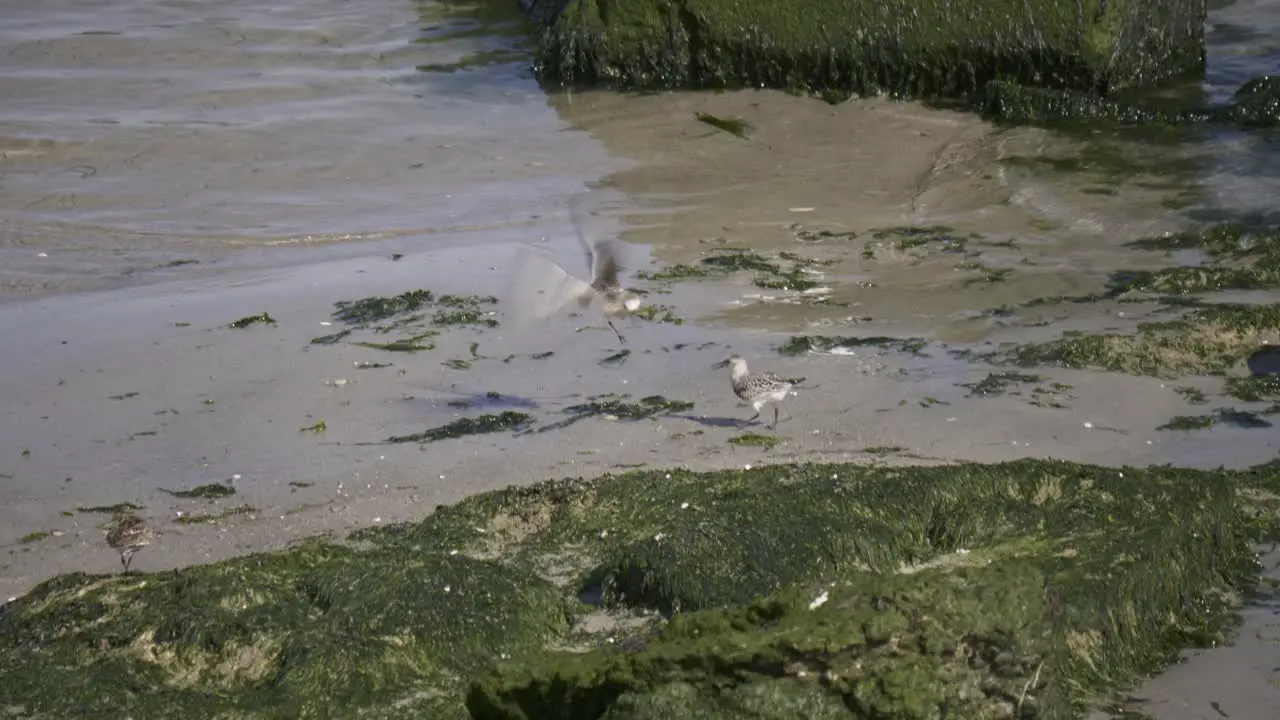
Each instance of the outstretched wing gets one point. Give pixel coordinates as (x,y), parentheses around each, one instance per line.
(540,288)
(602,255)
(604,272)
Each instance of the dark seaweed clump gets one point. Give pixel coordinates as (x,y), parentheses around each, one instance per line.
(123,508)
(376,309)
(618,408)
(734,126)
(401,314)
(481,424)
(768,273)
(245,322)
(755,440)
(998,383)
(211,491)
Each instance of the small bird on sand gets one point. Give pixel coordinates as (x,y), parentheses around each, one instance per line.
(759,388)
(541,288)
(129,535)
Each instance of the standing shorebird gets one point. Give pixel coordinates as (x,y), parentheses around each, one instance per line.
(129,535)
(541,288)
(760,388)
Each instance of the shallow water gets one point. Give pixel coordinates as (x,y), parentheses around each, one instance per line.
(134,134)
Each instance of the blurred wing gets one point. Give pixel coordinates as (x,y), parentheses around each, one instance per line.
(602,256)
(540,289)
(604,272)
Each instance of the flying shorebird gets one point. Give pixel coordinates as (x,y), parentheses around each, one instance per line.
(129,535)
(541,288)
(760,388)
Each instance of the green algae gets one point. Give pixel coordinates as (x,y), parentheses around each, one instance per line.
(319,427)
(331,339)
(1192,395)
(835,50)
(884,450)
(211,491)
(34,537)
(464,310)
(1188,422)
(842,590)
(400,313)
(245,322)
(1207,338)
(1054,395)
(1210,339)
(215,517)
(1247,419)
(316,631)
(679,271)
(805,235)
(998,383)
(452,309)
(405,345)
(940,238)
(117,509)
(478,425)
(617,407)
(659,313)
(801,344)
(1254,389)
(769,273)
(1255,104)
(376,309)
(734,126)
(753,619)
(755,440)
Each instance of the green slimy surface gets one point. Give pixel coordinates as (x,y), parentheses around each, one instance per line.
(837,48)
(818,590)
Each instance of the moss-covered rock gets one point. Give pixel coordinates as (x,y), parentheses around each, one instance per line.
(835,591)
(1256,104)
(945,48)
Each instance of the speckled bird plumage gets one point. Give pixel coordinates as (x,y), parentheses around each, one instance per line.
(759,388)
(129,534)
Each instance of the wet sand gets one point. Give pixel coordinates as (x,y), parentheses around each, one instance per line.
(120,395)
(123,379)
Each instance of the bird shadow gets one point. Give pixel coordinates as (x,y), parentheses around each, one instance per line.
(492,401)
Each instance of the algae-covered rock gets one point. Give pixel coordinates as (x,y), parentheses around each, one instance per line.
(828,591)
(1256,104)
(947,48)
(1015,590)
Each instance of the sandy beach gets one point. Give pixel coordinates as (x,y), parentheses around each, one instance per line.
(127,255)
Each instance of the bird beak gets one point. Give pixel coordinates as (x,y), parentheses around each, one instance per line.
(722,364)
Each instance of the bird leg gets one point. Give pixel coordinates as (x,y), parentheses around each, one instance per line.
(753,417)
(775,418)
(615,332)
(126,557)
